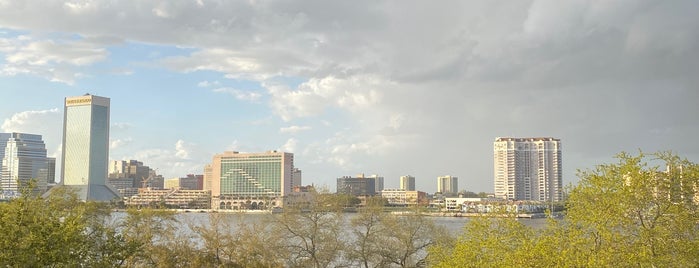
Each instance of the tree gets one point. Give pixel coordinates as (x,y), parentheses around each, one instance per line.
(486,242)
(58,230)
(628,213)
(230,241)
(367,227)
(405,239)
(632,212)
(151,230)
(312,234)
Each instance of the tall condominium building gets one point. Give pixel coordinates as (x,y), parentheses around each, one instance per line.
(447,184)
(296,177)
(86,147)
(528,169)
(51,169)
(251,175)
(356,186)
(23,160)
(407,183)
(378,180)
(208,176)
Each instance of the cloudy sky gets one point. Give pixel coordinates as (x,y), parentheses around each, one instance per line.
(376,87)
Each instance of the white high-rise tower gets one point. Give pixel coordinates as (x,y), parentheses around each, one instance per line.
(407,183)
(528,169)
(86,147)
(447,184)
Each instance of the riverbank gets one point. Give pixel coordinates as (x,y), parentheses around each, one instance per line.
(402,212)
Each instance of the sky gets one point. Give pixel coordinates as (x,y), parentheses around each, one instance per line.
(392,88)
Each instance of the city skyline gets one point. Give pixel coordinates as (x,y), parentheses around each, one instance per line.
(376,87)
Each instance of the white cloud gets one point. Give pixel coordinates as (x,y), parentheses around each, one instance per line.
(118,143)
(182,150)
(31,121)
(234,64)
(121,126)
(121,71)
(403,78)
(294,129)
(208,84)
(289,146)
(313,97)
(57,61)
(239,94)
(79,7)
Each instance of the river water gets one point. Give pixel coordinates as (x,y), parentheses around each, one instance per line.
(453,225)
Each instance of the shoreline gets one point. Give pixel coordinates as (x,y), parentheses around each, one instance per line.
(404,213)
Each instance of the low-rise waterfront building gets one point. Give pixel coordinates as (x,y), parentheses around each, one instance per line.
(170,198)
(491,205)
(400,197)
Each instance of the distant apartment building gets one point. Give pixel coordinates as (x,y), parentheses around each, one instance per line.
(400,197)
(249,180)
(356,186)
(23,160)
(296,177)
(127,176)
(51,170)
(528,169)
(208,176)
(172,183)
(129,169)
(407,183)
(191,182)
(448,185)
(378,183)
(301,196)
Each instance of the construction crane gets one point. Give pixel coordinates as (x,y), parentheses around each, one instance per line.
(145,180)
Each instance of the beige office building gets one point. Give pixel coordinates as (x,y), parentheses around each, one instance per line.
(528,169)
(251,174)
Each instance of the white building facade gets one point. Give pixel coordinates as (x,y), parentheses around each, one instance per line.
(407,183)
(447,184)
(86,147)
(528,169)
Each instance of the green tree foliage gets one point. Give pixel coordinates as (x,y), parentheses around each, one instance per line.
(312,234)
(386,240)
(486,242)
(230,240)
(367,227)
(58,231)
(630,213)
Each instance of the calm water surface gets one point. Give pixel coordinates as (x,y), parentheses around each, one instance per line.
(453,225)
